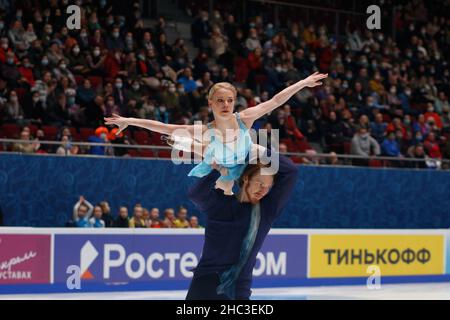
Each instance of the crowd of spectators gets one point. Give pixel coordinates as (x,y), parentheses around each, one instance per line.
(86,215)
(384,95)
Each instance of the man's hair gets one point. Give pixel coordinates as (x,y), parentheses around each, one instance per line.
(251,170)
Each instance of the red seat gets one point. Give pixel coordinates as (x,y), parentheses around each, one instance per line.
(79,79)
(11,130)
(20,93)
(386,118)
(141,137)
(50,132)
(74,133)
(375,163)
(164,154)
(85,133)
(95,81)
(133,153)
(33,129)
(156,139)
(347,147)
(146,153)
(298,160)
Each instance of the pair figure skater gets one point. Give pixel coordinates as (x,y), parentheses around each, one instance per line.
(236,225)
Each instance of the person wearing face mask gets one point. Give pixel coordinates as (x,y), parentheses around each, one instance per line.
(101,136)
(114,41)
(431,114)
(96,62)
(78,61)
(162,114)
(63,71)
(120,94)
(136,91)
(26,70)
(364,145)
(65,147)
(14,109)
(10,72)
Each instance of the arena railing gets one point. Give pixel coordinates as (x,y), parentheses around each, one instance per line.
(329,159)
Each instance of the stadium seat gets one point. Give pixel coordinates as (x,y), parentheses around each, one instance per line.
(85,133)
(375,163)
(33,129)
(146,153)
(347,147)
(50,132)
(133,153)
(20,94)
(74,133)
(79,79)
(164,154)
(11,130)
(141,137)
(95,81)
(156,139)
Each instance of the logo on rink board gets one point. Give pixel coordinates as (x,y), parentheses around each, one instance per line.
(396,255)
(124,258)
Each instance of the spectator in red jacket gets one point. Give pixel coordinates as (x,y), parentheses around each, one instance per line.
(432,146)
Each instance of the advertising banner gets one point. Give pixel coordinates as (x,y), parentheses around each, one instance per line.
(24,259)
(395,255)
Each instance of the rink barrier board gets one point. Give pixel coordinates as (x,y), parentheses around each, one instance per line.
(288,272)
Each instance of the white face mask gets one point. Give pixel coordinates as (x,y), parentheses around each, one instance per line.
(162,109)
(96,53)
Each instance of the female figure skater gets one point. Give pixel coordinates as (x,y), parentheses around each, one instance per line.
(215,144)
(236,227)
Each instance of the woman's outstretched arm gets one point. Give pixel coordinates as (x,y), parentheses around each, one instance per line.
(251,114)
(153,125)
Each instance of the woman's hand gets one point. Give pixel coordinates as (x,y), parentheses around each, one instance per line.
(119,121)
(314,79)
(223,171)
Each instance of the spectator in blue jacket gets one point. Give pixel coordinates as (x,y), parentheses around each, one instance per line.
(390,147)
(96,221)
(82,212)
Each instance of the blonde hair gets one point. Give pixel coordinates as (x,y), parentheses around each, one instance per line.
(221,85)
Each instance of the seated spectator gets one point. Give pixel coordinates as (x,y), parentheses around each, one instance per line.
(106,216)
(96,221)
(155,222)
(137,221)
(100,136)
(82,212)
(66,147)
(25,147)
(432,146)
(122,220)
(188,81)
(378,128)
(417,152)
(193,221)
(181,221)
(169,218)
(364,145)
(390,147)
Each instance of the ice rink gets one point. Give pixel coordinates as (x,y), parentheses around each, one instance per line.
(422,291)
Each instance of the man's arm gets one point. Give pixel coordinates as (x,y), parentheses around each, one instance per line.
(283,186)
(203,193)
